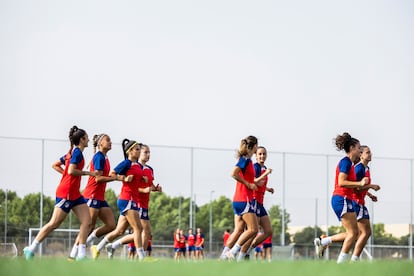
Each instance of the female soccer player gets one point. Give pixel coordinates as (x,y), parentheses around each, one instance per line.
(358,199)
(94,191)
(364,227)
(146,186)
(244,204)
(342,204)
(261,178)
(68,196)
(130,172)
(199,245)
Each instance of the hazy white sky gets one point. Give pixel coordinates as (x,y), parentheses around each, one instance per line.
(208,73)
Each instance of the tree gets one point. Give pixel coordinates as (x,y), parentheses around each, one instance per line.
(275,214)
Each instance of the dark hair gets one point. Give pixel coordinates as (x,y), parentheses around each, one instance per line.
(75,134)
(127,146)
(246,144)
(345,141)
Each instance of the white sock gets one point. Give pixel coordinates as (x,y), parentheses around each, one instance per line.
(91,238)
(116,244)
(34,246)
(81,250)
(236,248)
(140,253)
(241,256)
(354,258)
(102,243)
(342,258)
(326,241)
(223,253)
(74,251)
(249,250)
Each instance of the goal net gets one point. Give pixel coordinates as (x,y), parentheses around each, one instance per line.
(8,250)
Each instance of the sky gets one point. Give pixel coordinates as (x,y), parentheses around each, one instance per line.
(206,74)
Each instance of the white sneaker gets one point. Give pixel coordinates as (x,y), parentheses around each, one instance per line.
(319,248)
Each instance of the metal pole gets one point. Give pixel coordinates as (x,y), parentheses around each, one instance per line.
(316,217)
(5,218)
(411,211)
(179,212)
(41,193)
(211,223)
(282,242)
(191,188)
(327,203)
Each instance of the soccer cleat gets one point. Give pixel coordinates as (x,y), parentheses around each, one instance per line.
(70,259)
(94,252)
(319,248)
(80,259)
(230,256)
(110,250)
(27,253)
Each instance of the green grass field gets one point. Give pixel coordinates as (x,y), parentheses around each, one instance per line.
(59,266)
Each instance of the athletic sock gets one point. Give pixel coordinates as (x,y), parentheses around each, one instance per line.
(34,246)
(140,253)
(91,238)
(81,251)
(241,256)
(342,258)
(116,244)
(236,248)
(74,251)
(354,258)
(102,243)
(326,241)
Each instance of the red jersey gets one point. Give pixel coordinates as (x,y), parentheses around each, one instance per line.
(144,198)
(345,166)
(182,241)
(361,171)
(260,192)
(94,189)
(199,242)
(176,240)
(69,185)
(242,193)
(129,190)
(226,236)
(268,239)
(190,240)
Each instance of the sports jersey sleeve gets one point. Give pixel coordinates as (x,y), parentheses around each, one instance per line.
(77,156)
(242,163)
(62,159)
(99,161)
(359,171)
(257,170)
(123,167)
(345,165)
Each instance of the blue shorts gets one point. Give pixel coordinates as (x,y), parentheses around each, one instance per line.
(125,205)
(132,249)
(67,205)
(267,245)
(258,249)
(144,214)
(199,248)
(241,208)
(191,248)
(96,204)
(341,205)
(361,211)
(261,211)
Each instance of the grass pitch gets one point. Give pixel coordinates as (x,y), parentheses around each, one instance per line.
(116,267)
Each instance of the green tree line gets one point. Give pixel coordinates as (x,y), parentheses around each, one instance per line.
(166,214)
